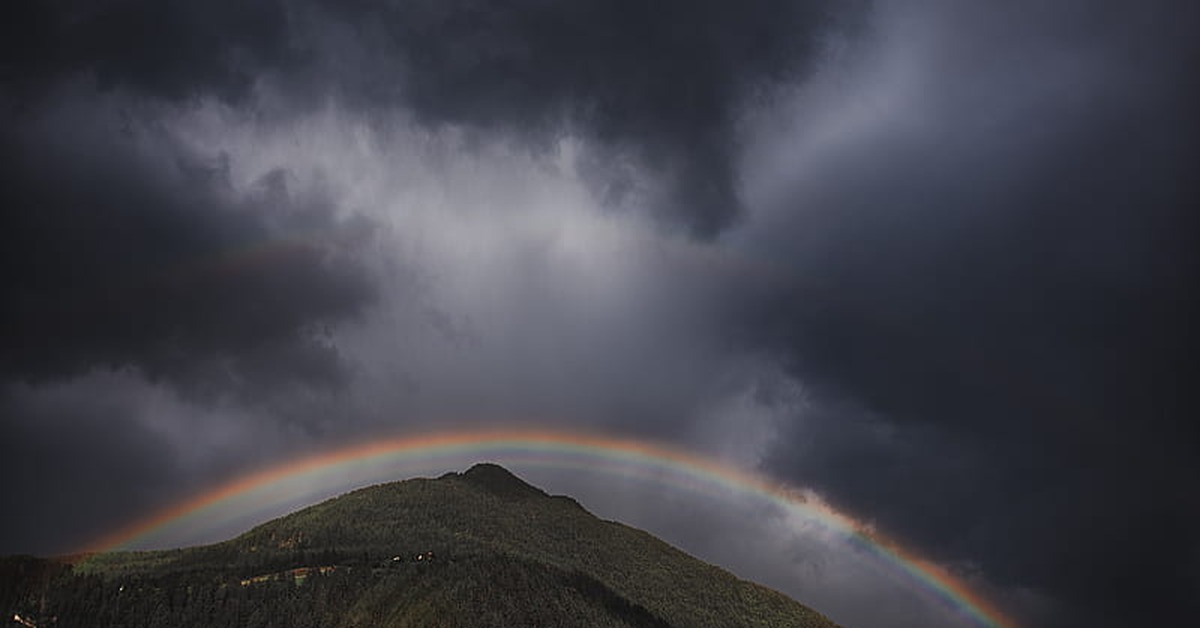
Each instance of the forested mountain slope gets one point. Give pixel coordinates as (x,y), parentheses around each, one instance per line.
(480,548)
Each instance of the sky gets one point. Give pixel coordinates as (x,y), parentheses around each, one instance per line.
(933,260)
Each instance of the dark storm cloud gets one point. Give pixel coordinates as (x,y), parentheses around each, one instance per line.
(992,300)
(656,88)
(174,49)
(132,266)
(123,248)
(986,292)
(661,82)
(66,462)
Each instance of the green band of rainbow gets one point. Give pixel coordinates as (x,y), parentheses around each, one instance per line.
(378,461)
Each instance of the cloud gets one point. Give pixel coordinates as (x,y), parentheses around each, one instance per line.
(979,225)
(125,248)
(84,456)
(656,91)
(932,259)
(172,50)
(71,453)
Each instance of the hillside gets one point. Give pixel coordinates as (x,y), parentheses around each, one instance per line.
(480,548)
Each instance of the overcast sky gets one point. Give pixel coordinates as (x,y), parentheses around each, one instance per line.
(931,259)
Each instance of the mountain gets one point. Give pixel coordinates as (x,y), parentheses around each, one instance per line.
(479,548)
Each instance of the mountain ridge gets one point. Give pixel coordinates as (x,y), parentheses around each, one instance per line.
(477,548)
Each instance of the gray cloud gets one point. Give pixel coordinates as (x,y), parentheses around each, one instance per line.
(173,50)
(123,248)
(54,470)
(936,264)
(991,295)
(656,88)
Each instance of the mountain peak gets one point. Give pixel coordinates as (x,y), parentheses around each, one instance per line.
(480,548)
(500,481)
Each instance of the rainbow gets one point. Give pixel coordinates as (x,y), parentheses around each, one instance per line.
(377,461)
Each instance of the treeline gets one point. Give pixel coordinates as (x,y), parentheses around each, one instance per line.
(186,600)
(478,591)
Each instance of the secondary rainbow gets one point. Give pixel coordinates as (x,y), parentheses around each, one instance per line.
(554,448)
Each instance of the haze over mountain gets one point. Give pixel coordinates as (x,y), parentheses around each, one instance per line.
(476,549)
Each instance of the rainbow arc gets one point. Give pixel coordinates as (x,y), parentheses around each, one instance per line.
(379,461)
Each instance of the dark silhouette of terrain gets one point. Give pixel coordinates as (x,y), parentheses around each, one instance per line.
(480,548)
